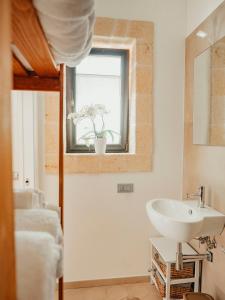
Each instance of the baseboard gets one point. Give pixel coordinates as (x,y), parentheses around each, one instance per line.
(105,282)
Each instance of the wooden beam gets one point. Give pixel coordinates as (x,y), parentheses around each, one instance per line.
(32,83)
(29,38)
(61,162)
(18,69)
(7,247)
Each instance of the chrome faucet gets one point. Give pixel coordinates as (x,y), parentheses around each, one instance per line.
(201,194)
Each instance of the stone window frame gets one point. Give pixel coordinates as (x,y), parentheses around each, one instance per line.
(137,36)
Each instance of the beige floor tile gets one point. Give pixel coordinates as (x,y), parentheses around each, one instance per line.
(116,292)
(96,293)
(76,294)
(140,291)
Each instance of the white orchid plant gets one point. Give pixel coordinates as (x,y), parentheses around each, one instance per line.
(92,112)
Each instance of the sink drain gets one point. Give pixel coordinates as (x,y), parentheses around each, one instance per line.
(190,212)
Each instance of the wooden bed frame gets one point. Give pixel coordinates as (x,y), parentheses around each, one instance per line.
(19,26)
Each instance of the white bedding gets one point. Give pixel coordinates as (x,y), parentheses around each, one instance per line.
(38,260)
(68,26)
(39,245)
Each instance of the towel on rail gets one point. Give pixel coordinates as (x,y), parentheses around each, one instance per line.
(29,198)
(37,262)
(39,220)
(68,26)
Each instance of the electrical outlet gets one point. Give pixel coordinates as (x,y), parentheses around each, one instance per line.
(125,188)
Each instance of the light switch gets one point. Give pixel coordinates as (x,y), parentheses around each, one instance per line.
(125,188)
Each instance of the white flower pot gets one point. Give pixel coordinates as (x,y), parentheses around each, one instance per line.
(100,145)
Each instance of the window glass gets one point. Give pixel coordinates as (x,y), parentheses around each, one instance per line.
(101,79)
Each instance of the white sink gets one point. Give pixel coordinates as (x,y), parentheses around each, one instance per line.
(183,220)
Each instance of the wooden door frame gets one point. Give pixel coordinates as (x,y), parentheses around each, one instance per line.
(7,243)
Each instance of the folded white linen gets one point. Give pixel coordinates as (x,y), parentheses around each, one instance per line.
(25,199)
(37,258)
(39,220)
(53,207)
(29,198)
(68,26)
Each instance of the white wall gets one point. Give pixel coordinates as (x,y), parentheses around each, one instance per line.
(24,128)
(198,11)
(106,234)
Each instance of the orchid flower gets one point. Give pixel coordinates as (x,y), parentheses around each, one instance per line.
(91,112)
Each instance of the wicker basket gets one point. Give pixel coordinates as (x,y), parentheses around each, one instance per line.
(187,272)
(199,296)
(176,290)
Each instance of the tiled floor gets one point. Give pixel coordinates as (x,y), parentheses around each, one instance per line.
(139,291)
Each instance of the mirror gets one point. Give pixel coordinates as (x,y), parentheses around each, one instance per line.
(209,96)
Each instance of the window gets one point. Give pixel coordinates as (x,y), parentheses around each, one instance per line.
(101,78)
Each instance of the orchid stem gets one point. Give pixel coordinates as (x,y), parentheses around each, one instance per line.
(93,123)
(103,123)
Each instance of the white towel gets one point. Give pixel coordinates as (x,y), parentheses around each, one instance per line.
(68,26)
(29,198)
(37,259)
(39,220)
